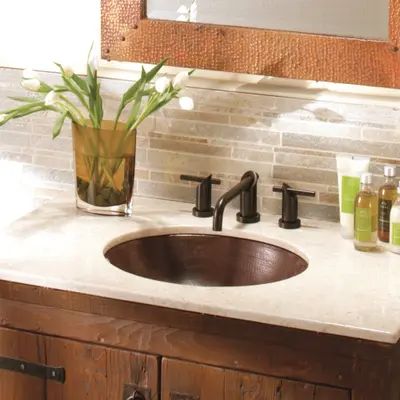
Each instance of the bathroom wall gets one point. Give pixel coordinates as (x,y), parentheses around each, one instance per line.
(284,139)
(36,33)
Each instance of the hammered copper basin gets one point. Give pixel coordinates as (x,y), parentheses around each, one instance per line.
(206,260)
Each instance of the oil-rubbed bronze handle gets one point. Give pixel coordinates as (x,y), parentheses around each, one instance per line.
(182,396)
(203,207)
(135,392)
(136,395)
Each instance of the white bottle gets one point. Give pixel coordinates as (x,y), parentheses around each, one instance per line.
(349,170)
(395,225)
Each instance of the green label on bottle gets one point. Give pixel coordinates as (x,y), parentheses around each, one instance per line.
(364,225)
(350,188)
(384,215)
(396,234)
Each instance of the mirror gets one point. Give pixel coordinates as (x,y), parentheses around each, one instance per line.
(367,19)
(346,41)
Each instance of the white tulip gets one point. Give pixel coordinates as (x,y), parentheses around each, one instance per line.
(51,98)
(29,73)
(181,80)
(31,84)
(183,10)
(68,71)
(183,18)
(3,117)
(186,103)
(94,57)
(193,12)
(162,84)
(193,7)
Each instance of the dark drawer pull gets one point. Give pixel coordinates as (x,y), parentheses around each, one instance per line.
(136,396)
(183,396)
(32,369)
(134,392)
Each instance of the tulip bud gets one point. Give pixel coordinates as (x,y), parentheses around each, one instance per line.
(183,9)
(31,84)
(162,84)
(186,103)
(181,80)
(183,18)
(94,57)
(193,12)
(29,73)
(68,71)
(51,98)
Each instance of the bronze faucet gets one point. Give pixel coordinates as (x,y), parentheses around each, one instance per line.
(247,189)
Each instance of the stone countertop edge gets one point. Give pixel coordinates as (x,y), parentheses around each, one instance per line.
(342,292)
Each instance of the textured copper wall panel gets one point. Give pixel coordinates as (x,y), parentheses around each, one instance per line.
(128,36)
(395,22)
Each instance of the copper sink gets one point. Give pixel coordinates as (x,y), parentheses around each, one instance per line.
(206,260)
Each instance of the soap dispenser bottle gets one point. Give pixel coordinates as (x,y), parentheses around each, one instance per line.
(395,225)
(386,197)
(366,216)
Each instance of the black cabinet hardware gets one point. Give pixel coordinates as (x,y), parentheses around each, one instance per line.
(134,392)
(32,369)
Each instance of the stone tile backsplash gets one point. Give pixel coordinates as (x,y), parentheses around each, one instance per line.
(283,139)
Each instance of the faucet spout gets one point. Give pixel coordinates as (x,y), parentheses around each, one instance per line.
(247,189)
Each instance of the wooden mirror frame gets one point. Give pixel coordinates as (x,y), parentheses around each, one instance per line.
(127,35)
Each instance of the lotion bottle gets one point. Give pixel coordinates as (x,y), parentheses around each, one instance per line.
(395,225)
(349,170)
(366,216)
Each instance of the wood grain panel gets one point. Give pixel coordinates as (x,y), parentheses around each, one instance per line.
(291,390)
(325,393)
(133,369)
(26,347)
(240,386)
(226,327)
(85,370)
(196,381)
(128,36)
(191,381)
(97,372)
(264,358)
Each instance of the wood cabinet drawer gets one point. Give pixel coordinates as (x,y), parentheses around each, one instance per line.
(92,372)
(182,380)
(100,373)
(26,347)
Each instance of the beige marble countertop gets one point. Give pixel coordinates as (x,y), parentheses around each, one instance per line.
(342,292)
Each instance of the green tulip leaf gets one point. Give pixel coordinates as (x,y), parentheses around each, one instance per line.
(59,124)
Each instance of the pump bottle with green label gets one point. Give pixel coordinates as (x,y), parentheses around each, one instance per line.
(395,225)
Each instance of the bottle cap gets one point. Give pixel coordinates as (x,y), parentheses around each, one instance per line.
(366,178)
(389,171)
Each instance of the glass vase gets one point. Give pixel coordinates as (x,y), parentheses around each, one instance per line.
(104,168)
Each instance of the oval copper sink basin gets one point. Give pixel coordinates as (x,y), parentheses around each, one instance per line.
(206,260)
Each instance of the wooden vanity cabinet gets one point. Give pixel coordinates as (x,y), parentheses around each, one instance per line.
(110,348)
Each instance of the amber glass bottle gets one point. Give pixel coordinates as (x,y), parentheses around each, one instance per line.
(387,196)
(366,216)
